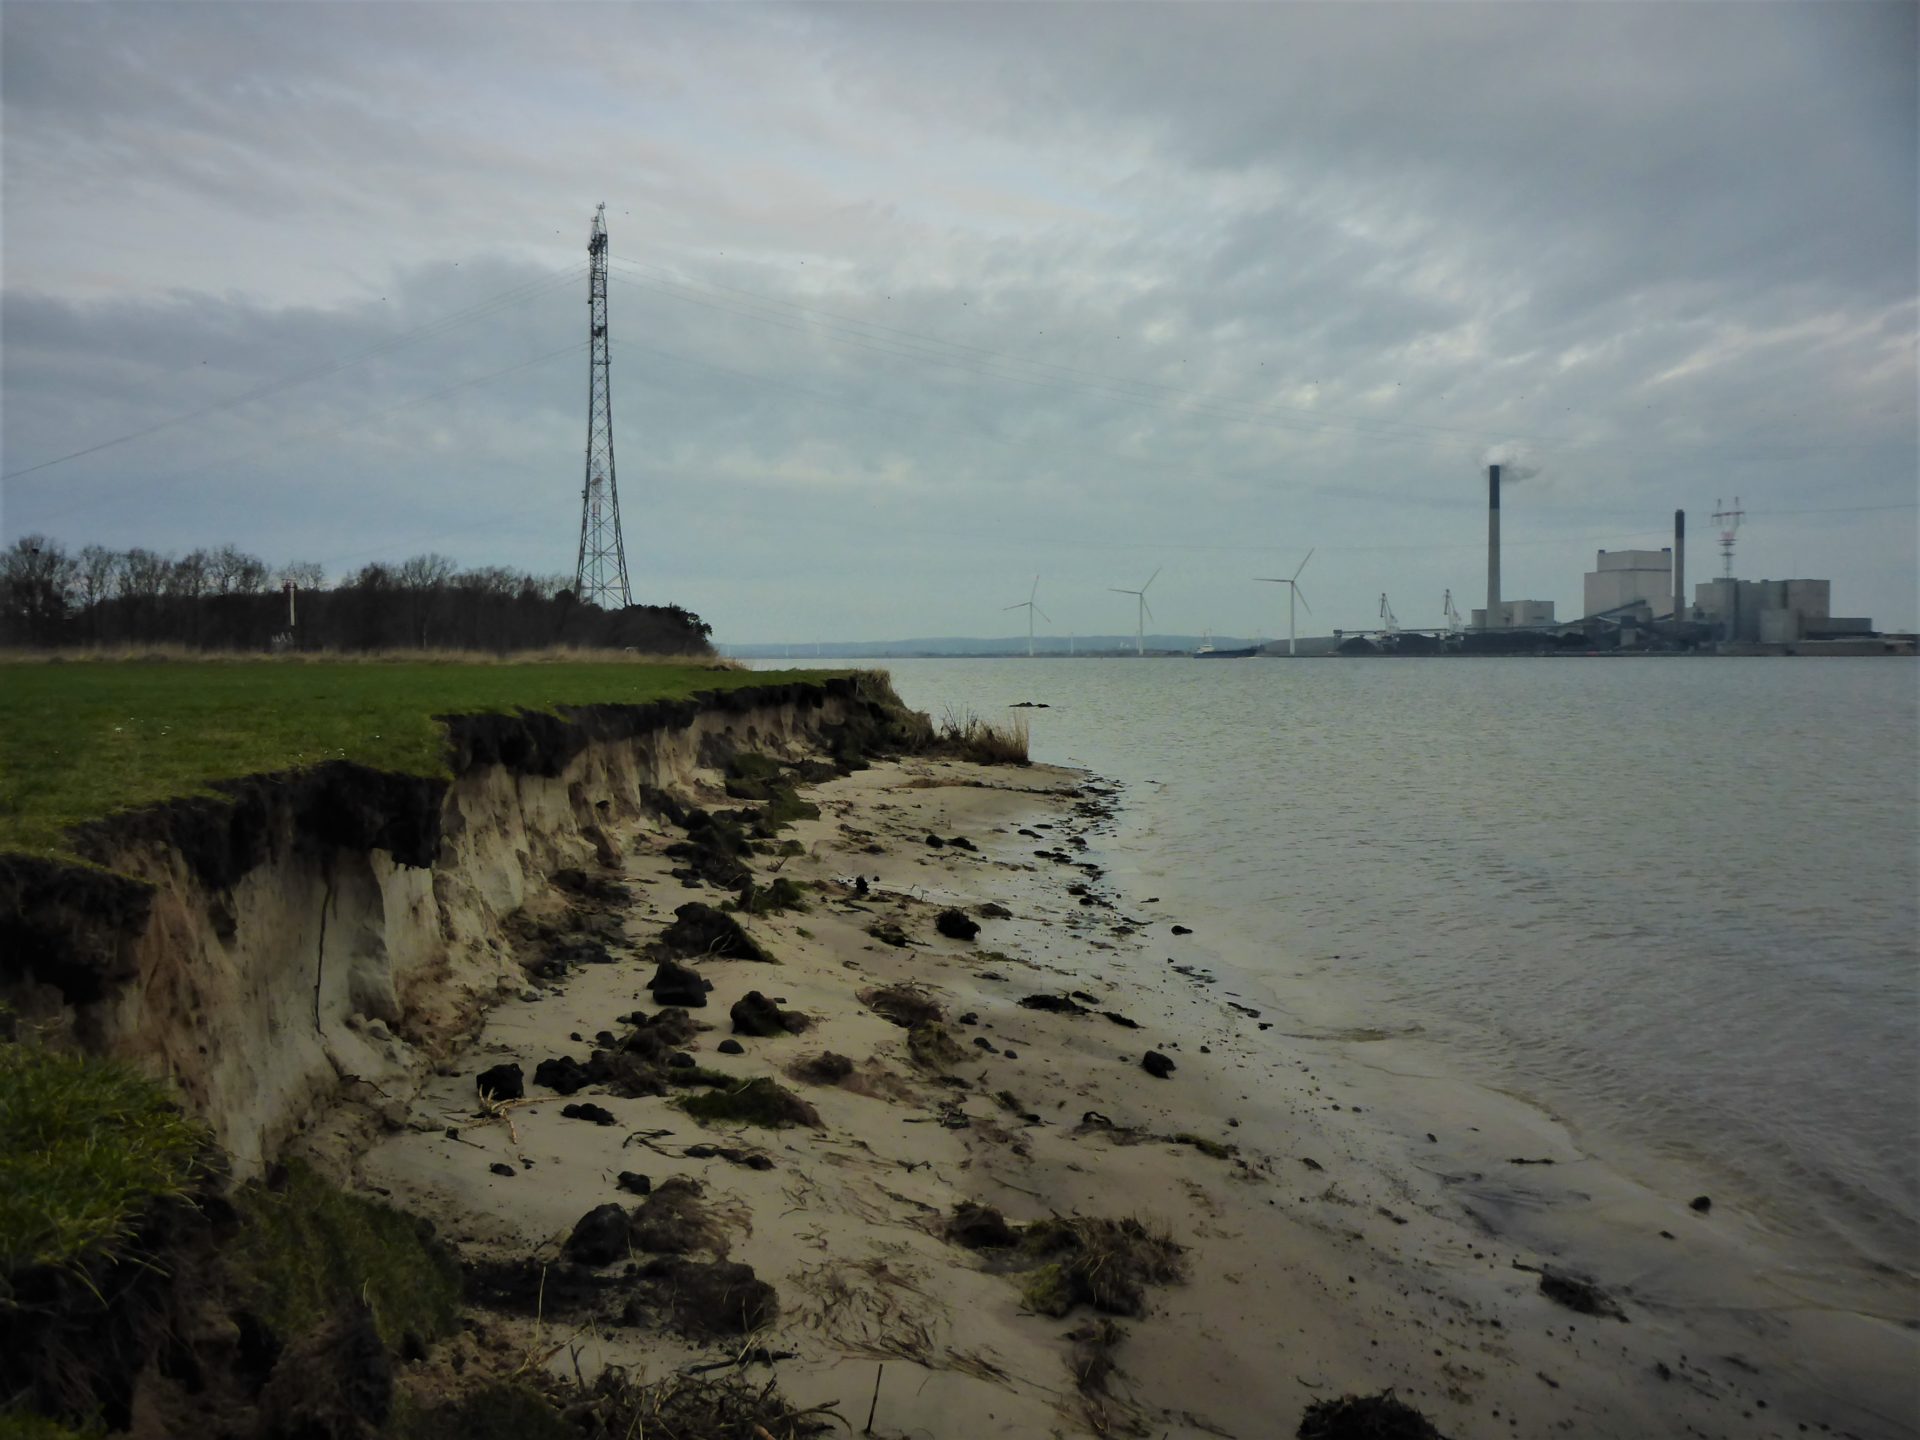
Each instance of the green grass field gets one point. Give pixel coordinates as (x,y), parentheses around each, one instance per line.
(79,741)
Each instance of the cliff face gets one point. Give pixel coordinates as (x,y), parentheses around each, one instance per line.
(341,924)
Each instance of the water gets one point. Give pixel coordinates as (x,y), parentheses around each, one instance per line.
(1671,901)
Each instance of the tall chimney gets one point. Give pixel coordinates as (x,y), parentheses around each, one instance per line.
(1679,566)
(1493,547)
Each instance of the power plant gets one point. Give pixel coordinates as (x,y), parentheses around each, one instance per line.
(1636,601)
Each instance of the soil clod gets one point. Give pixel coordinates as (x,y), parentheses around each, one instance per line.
(674,984)
(501,1082)
(1365,1417)
(956,924)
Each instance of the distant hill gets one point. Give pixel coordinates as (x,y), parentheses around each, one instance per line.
(1044,646)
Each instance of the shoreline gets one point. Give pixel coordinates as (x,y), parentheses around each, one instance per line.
(1305,1280)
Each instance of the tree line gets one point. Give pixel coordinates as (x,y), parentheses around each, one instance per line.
(226,599)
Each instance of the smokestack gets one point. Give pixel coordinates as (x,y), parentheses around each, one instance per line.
(1679,566)
(1493,547)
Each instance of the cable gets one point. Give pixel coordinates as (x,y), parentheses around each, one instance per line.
(280,441)
(480,308)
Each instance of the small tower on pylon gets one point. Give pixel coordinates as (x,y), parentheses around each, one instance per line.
(600,574)
(1729,523)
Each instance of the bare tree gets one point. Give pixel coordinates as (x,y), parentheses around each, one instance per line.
(36,590)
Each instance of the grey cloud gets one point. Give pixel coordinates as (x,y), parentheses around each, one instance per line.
(1323,256)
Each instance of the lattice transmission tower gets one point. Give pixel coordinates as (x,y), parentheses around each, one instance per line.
(600,575)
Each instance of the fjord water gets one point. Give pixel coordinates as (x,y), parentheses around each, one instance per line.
(1672,901)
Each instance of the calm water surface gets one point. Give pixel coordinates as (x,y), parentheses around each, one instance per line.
(1673,901)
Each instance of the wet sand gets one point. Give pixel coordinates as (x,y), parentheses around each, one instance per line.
(1319,1258)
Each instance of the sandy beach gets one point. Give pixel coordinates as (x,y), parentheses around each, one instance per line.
(1313,1259)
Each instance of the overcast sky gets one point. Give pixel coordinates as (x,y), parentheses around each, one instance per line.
(911,303)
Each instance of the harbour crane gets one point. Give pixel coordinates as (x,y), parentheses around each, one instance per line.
(1387,621)
(1454,624)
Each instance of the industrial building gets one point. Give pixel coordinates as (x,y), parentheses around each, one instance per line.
(1621,578)
(1774,612)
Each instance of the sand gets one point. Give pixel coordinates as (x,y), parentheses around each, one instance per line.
(1319,1258)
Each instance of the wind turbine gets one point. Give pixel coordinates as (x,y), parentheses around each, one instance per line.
(1028,606)
(1140,622)
(1293,594)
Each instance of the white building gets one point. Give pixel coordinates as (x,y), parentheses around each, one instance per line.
(1628,577)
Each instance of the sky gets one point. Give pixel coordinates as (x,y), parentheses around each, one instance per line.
(913,303)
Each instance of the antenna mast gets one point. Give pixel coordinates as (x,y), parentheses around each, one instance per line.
(600,574)
(1729,523)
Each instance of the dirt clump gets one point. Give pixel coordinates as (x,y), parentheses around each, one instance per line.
(826,1068)
(674,1220)
(754,1014)
(562,1074)
(933,1048)
(1579,1293)
(979,1227)
(674,984)
(501,1082)
(1365,1417)
(709,934)
(711,1298)
(596,888)
(600,1237)
(907,1006)
(956,925)
(1053,1004)
(1156,1065)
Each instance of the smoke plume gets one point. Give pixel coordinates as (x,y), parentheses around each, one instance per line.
(1515,461)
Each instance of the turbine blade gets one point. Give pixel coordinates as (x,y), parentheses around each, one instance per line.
(1021,606)
(1145,606)
(1151,578)
(1303,563)
(1270,580)
(1118,591)
(1044,615)
(1303,598)
(1036,588)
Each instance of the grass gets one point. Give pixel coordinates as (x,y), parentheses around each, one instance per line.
(87,1149)
(968,737)
(307,1249)
(79,741)
(19,1425)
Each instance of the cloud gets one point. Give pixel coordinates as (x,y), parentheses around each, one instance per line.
(906,303)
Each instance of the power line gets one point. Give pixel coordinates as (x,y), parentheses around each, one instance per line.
(328,431)
(432,328)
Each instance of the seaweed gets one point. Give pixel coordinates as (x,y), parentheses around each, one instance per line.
(757,1102)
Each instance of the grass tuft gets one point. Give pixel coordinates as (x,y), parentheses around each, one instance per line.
(87,1149)
(308,1248)
(968,737)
